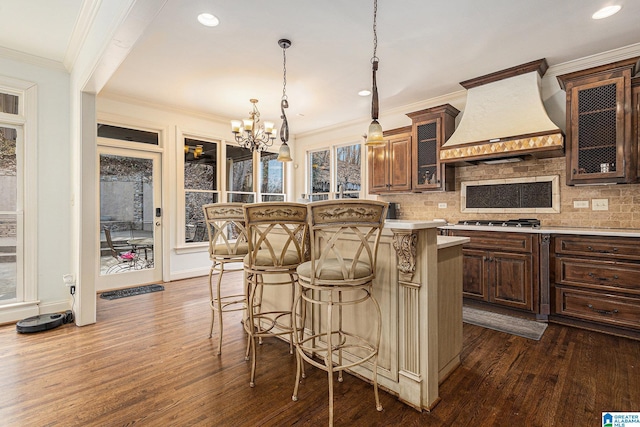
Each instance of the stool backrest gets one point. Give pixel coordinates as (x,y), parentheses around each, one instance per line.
(346,230)
(277,230)
(226,228)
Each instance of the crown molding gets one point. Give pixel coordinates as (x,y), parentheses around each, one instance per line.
(591,61)
(118,97)
(80,31)
(31,59)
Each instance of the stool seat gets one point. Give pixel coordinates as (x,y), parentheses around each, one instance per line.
(220,250)
(265,258)
(335,270)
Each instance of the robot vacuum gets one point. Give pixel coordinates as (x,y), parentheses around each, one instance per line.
(44,322)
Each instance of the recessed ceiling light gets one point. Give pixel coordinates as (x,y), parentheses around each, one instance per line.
(606,12)
(365,92)
(208,20)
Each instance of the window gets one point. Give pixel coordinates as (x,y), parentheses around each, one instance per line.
(127,134)
(9,103)
(335,177)
(10,215)
(239,175)
(348,171)
(319,175)
(200,185)
(271,178)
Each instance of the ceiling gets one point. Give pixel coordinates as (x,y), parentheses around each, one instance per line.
(425,49)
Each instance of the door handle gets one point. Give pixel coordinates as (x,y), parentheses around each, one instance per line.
(157,223)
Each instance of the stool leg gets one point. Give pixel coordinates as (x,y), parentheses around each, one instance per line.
(259,288)
(292,318)
(248,308)
(252,286)
(211,302)
(298,339)
(340,379)
(329,360)
(219,304)
(375,358)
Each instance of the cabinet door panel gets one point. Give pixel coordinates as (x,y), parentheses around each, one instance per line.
(599,140)
(512,279)
(400,163)
(598,129)
(377,169)
(474,281)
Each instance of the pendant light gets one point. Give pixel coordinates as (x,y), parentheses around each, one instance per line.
(374,135)
(284,154)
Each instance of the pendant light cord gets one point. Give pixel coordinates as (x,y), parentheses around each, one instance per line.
(375,31)
(374,61)
(284,103)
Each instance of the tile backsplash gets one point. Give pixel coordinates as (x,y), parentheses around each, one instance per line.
(623,199)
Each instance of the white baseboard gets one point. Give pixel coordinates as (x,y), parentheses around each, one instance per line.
(188,274)
(14,312)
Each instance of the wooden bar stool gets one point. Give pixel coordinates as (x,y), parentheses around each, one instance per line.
(227,245)
(276,234)
(344,239)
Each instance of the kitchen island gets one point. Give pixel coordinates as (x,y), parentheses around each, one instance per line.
(419,288)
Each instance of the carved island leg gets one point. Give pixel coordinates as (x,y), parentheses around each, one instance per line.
(405,244)
(418,314)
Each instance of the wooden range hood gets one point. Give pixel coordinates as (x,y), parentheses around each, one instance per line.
(504,118)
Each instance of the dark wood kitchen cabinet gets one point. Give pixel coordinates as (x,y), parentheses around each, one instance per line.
(501,268)
(390,164)
(600,146)
(430,129)
(635,92)
(596,283)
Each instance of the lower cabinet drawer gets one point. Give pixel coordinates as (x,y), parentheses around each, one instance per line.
(598,307)
(608,276)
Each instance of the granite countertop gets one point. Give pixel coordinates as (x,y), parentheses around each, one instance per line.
(408,224)
(592,231)
(449,241)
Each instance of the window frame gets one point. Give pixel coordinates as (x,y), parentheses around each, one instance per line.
(283,194)
(310,195)
(181,200)
(223,193)
(333,172)
(27,196)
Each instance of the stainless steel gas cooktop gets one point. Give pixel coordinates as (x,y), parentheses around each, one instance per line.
(522,222)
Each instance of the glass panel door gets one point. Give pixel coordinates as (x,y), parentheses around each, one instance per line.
(130,250)
(10,217)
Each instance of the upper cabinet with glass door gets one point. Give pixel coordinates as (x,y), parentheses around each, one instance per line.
(599,144)
(431,128)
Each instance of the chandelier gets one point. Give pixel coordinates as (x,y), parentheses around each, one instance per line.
(252,135)
(374,135)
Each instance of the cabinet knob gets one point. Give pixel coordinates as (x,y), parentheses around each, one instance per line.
(574,171)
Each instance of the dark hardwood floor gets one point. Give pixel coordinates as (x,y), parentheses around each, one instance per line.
(148,361)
